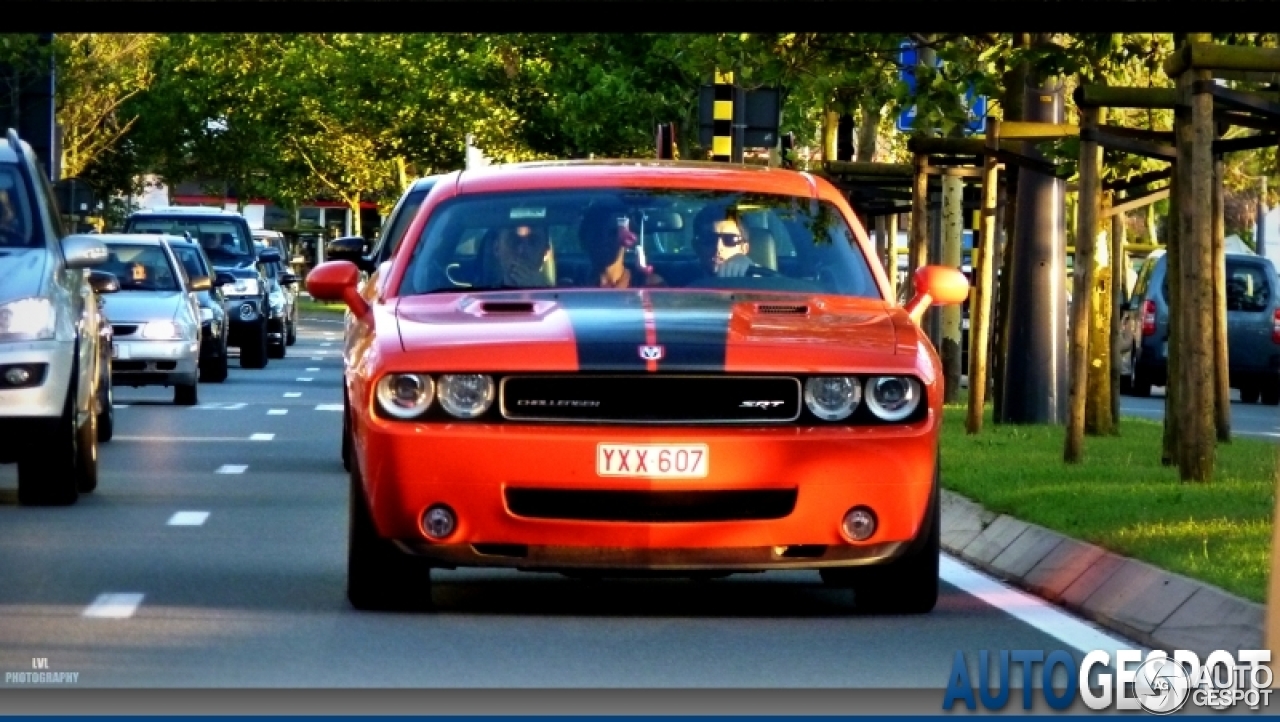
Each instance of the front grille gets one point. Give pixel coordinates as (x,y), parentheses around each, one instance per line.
(651,506)
(144,365)
(124,329)
(653,399)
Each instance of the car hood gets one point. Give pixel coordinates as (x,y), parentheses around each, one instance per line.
(22,273)
(647,330)
(141,306)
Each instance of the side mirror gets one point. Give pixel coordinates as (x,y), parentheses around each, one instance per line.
(937,286)
(201,283)
(288,279)
(223,278)
(269,255)
(336,281)
(347,248)
(103,282)
(83,251)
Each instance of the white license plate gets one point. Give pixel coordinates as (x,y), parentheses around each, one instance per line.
(119,351)
(652,461)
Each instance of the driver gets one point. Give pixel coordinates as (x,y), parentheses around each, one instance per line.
(522,254)
(720,242)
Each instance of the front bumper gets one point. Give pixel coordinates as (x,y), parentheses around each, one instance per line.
(408,468)
(154,363)
(47,397)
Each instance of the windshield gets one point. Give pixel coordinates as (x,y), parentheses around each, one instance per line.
(191,261)
(15,212)
(140,268)
(221,239)
(619,238)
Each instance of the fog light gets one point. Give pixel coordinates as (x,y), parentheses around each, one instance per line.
(17,376)
(438,522)
(859,523)
(247,311)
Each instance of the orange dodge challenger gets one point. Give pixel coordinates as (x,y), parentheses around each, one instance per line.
(640,367)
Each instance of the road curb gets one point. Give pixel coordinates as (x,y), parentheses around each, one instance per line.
(1154,607)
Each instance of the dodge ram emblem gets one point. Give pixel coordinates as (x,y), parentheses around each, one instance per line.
(651,353)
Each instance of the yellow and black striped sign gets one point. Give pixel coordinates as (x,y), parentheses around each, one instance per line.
(722,138)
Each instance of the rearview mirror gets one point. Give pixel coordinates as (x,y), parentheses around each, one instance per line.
(103,282)
(201,283)
(83,251)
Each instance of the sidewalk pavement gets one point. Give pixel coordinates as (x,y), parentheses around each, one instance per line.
(1158,609)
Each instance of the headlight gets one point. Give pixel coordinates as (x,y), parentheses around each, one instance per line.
(893,398)
(162,330)
(405,396)
(27,319)
(466,396)
(206,314)
(242,287)
(832,398)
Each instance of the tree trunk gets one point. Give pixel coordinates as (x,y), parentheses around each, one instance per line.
(1082,287)
(1014,81)
(353,205)
(868,130)
(1173,266)
(402,173)
(953,256)
(830,135)
(1153,235)
(891,255)
(984,256)
(918,252)
(1098,419)
(1221,350)
(1119,295)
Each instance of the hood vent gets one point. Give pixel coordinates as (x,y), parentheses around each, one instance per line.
(786,309)
(507,307)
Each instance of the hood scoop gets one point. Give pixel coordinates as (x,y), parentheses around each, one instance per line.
(488,307)
(782,309)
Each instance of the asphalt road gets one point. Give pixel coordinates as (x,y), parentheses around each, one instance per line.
(213,555)
(1257,421)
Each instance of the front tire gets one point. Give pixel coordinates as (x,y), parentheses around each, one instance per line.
(1141,384)
(253,352)
(87,456)
(186,395)
(106,413)
(908,584)
(1250,392)
(215,369)
(380,577)
(1271,392)
(291,332)
(49,474)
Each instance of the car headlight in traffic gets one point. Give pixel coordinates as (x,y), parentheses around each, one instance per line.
(893,398)
(242,287)
(466,396)
(405,396)
(27,319)
(832,398)
(162,331)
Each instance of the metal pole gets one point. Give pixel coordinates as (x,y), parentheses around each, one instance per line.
(1035,381)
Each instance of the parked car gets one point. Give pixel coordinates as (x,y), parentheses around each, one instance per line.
(352,248)
(228,241)
(1253,328)
(691,423)
(155,316)
(213,315)
(50,354)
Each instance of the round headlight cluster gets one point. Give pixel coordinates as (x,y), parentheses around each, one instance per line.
(888,398)
(408,396)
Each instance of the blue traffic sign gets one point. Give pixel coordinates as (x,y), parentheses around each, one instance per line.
(908,58)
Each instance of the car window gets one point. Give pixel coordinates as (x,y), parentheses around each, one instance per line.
(141,268)
(667,237)
(16,219)
(221,239)
(1247,287)
(191,261)
(394,233)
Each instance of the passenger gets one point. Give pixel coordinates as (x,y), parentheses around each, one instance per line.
(11,230)
(605,240)
(522,254)
(720,242)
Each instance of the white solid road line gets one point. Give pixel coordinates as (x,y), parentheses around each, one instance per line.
(1028,609)
(177,439)
(262,437)
(329,407)
(115,605)
(188,518)
(119,406)
(277,412)
(292,394)
(232,469)
(222,406)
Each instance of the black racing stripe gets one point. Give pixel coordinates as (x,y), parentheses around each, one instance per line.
(693,329)
(608,329)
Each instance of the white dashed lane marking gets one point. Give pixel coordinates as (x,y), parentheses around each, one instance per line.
(188,518)
(262,437)
(119,406)
(232,469)
(116,605)
(317,358)
(329,407)
(304,378)
(222,406)
(325,345)
(292,394)
(277,412)
(314,368)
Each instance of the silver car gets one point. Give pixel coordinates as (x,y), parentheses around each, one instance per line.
(155,316)
(50,392)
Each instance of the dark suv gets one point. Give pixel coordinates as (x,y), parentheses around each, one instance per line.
(228,242)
